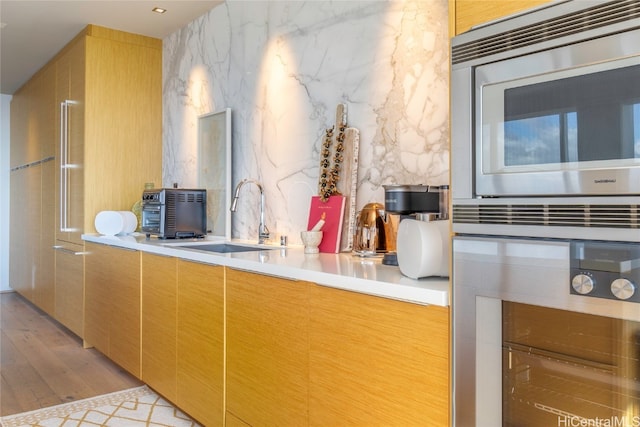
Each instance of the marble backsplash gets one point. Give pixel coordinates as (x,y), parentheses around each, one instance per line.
(283,67)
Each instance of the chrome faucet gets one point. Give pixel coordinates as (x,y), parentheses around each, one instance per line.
(263,231)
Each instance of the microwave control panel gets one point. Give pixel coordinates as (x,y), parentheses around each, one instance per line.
(605,270)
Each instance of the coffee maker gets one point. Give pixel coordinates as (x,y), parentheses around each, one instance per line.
(421,202)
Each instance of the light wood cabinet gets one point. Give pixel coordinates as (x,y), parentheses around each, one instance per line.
(236,348)
(69,299)
(44,291)
(376,361)
(183,334)
(267,349)
(70,107)
(32,119)
(110,131)
(19,122)
(20,250)
(31,186)
(159,323)
(112,82)
(112,304)
(31,256)
(464,14)
(200,341)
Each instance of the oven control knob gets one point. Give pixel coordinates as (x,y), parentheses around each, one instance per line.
(623,288)
(582,283)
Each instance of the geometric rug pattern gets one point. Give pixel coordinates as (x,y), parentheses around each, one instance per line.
(136,407)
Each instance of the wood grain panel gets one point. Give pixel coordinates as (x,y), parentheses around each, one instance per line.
(375,361)
(46,104)
(70,289)
(19,263)
(123,37)
(124,325)
(46,282)
(469,13)
(267,349)
(233,421)
(159,323)
(97,296)
(115,145)
(70,86)
(44,289)
(200,341)
(123,119)
(19,121)
(112,304)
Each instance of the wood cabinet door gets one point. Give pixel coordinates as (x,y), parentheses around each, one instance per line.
(200,341)
(469,13)
(69,293)
(159,323)
(19,122)
(267,349)
(46,112)
(70,89)
(112,303)
(124,324)
(123,120)
(46,283)
(32,264)
(376,361)
(19,260)
(98,295)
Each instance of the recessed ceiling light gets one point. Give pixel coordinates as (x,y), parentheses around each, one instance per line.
(159,10)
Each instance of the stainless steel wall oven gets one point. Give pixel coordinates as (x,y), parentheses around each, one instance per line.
(546,214)
(529,348)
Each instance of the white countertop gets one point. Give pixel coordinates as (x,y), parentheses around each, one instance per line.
(344,271)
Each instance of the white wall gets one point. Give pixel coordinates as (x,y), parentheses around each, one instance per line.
(4,192)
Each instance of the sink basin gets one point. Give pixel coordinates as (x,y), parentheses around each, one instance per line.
(224,248)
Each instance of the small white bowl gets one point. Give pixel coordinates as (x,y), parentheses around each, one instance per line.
(311,241)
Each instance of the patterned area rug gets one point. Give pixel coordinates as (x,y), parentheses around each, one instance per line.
(136,407)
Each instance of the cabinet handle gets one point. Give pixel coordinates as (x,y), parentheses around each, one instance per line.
(64,165)
(68,251)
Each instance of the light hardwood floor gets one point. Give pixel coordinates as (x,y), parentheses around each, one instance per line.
(43,364)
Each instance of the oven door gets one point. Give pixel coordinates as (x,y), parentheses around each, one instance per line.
(529,351)
(564,121)
(153,218)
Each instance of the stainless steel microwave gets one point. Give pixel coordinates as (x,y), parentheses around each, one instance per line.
(546,123)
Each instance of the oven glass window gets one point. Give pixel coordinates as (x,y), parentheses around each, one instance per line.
(559,120)
(567,368)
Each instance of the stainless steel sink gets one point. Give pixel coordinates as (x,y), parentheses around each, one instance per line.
(224,248)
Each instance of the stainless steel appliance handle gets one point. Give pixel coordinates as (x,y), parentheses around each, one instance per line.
(64,165)
(68,251)
(64,109)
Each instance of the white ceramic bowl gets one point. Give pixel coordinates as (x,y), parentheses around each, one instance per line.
(311,241)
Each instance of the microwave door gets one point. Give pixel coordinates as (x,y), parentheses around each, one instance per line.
(543,129)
